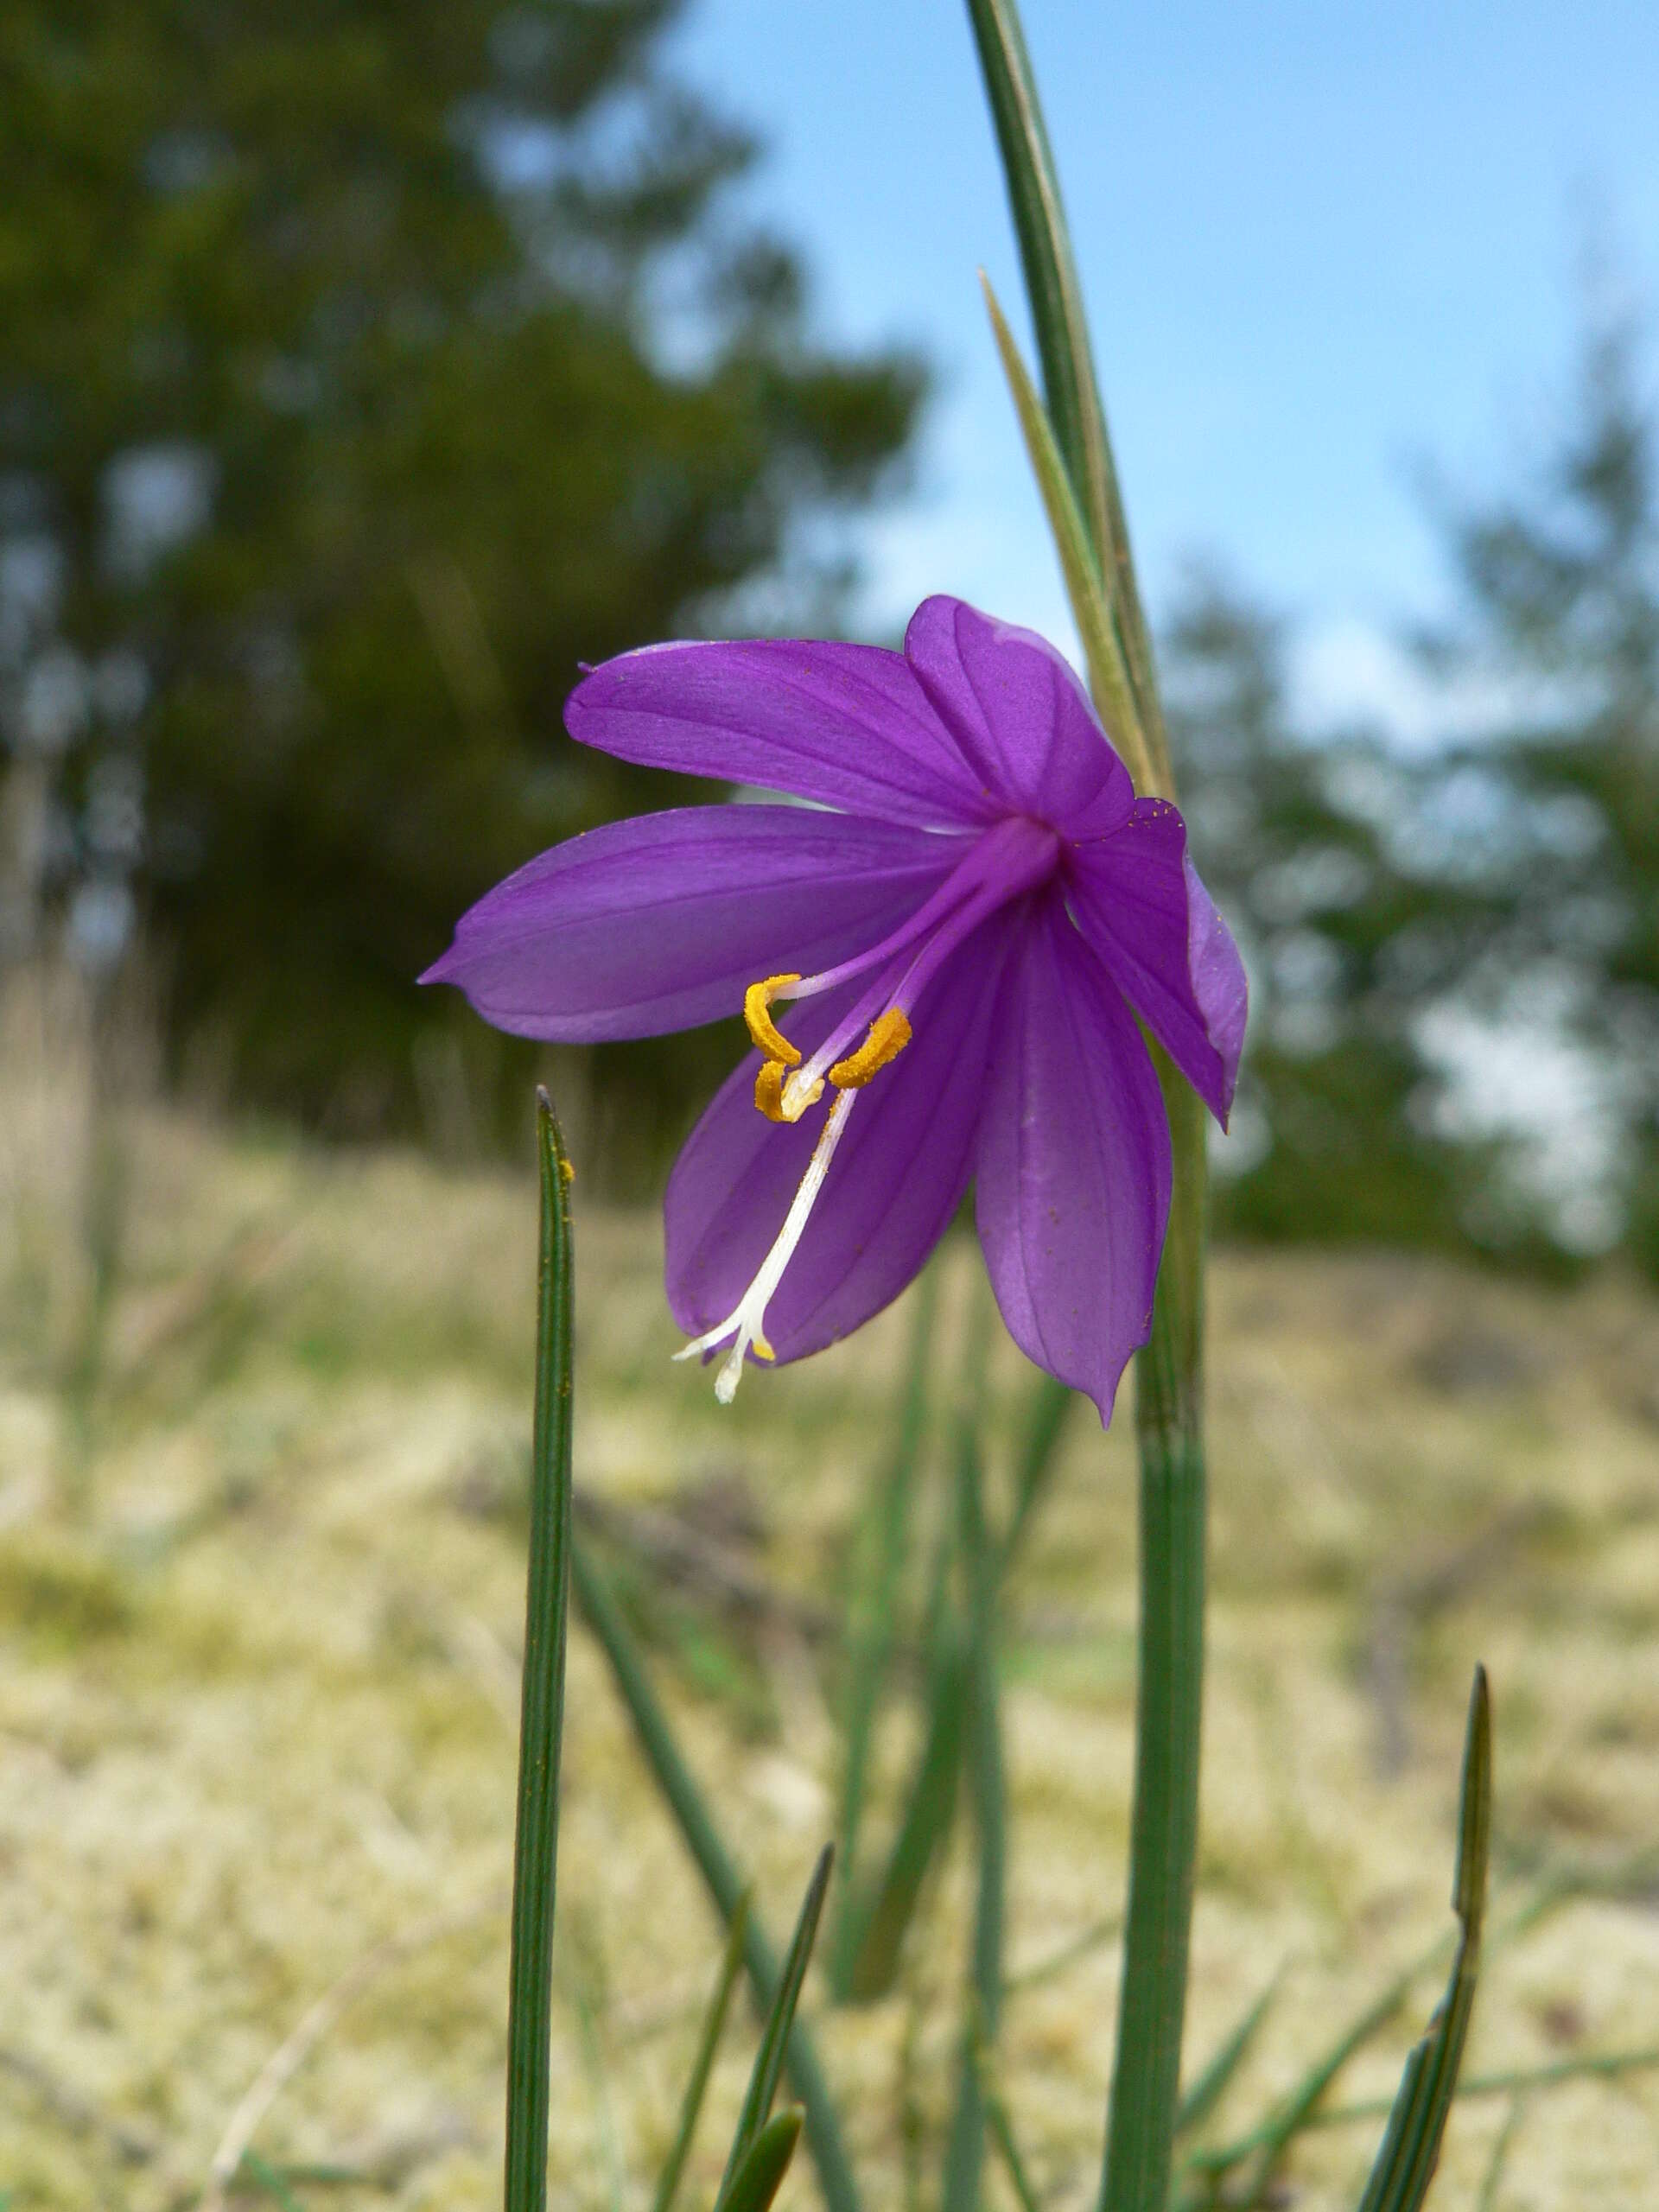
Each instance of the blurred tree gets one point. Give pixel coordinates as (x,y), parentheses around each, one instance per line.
(1559,615)
(361,367)
(1307,848)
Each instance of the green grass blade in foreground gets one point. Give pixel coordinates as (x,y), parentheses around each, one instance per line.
(1200,2101)
(1411,2148)
(872,1626)
(714,1862)
(965,2151)
(769,2059)
(760,2175)
(1055,299)
(1109,678)
(535,1855)
(708,2043)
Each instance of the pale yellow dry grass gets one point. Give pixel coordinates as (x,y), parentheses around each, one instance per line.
(261,1570)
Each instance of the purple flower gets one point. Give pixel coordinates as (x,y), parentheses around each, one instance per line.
(965,942)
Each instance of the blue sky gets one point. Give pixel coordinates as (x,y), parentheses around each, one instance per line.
(1321,244)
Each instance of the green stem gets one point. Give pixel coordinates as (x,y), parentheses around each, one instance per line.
(529,1988)
(1146,2081)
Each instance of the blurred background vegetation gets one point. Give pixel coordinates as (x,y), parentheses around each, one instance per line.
(362,370)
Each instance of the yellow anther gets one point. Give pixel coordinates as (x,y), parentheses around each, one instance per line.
(889,1035)
(757,1000)
(761,1349)
(769,1090)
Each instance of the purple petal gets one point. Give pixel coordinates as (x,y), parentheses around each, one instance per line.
(1138,900)
(895,1181)
(1073,1164)
(848,724)
(1021,718)
(661,922)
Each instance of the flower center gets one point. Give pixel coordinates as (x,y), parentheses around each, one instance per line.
(1002,863)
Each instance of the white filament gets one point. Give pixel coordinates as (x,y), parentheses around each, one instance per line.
(746,1323)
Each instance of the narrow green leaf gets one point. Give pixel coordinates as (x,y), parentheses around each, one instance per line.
(873,1628)
(1107,674)
(546,1605)
(1411,2147)
(965,2151)
(760,2172)
(1063,345)
(1050,1406)
(256,2173)
(708,2043)
(769,2059)
(1200,2101)
(714,1862)
(930,1809)
(1299,2108)
(1001,2129)
(1506,2134)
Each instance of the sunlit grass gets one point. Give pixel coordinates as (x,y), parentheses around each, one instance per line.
(261,1584)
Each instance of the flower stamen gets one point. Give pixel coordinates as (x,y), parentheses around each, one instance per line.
(757,1002)
(746,1323)
(889,1035)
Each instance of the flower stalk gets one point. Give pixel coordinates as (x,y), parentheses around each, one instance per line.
(1069,441)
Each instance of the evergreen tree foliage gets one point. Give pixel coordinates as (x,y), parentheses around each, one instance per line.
(363,368)
(1559,610)
(1305,847)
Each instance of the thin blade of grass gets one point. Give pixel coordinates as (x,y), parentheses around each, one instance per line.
(769,2059)
(1297,2109)
(760,2175)
(930,1809)
(1001,2130)
(1411,2147)
(1108,679)
(965,2154)
(703,2065)
(719,1875)
(541,1726)
(1063,345)
(1506,2134)
(1205,2093)
(1050,1408)
(873,1625)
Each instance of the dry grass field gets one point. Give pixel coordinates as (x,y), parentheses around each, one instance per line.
(264,1420)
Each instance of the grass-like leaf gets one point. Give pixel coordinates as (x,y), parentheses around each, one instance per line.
(707,2043)
(873,1625)
(1411,2148)
(769,2059)
(714,1862)
(546,1605)
(1056,297)
(760,2172)
(1052,1403)
(1198,2101)
(1109,678)
(965,2153)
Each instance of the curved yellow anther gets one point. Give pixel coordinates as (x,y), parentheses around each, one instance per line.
(757,1000)
(769,1090)
(889,1035)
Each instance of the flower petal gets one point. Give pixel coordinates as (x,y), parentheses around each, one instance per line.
(661,922)
(895,1181)
(846,725)
(1073,1164)
(1023,720)
(1139,901)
